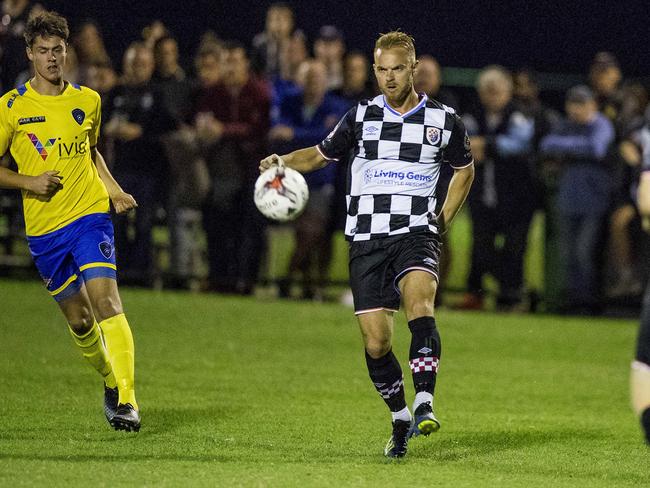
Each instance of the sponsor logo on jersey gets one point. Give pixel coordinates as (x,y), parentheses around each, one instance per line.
(429,262)
(425,350)
(383,176)
(433,135)
(10,102)
(73,148)
(31,120)
(78,115)
(371,129)
(39,146)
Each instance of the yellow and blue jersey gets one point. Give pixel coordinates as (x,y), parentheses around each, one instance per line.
(55,133)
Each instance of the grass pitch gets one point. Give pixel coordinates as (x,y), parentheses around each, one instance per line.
(243,392)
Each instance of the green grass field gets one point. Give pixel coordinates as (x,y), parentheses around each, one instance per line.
(245,392)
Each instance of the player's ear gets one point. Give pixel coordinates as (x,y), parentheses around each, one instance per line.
(30,54)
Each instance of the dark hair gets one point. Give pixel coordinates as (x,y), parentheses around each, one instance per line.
(46,24)
(233,46)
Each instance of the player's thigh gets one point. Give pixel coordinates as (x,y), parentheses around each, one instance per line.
(104,298)
(418,289)
(53,257)
(377,331)
(94,253)
(416,269)
(78,310)
(372,279)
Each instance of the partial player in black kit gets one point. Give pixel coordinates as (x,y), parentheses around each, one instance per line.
(640,374)
(400,140)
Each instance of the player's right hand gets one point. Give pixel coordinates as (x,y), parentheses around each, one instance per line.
(45,184)
(272,160)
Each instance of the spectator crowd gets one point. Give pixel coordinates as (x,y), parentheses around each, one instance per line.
(185,138)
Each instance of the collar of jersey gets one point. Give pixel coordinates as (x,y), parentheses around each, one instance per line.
(30,89)
(412,111)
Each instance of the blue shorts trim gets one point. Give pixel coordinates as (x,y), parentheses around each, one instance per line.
(78,252)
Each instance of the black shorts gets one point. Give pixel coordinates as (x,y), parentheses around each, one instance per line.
(376,266)
(643,341)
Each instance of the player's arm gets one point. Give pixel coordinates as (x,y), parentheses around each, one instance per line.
(303,160)
(44,185)
(122,201)
(459,187)
(337,144)
(459,153)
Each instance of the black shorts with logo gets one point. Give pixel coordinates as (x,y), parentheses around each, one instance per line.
(377,265)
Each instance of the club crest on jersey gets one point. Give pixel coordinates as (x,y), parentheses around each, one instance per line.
(78,115)
(39,146)
(433,135)
(106,248)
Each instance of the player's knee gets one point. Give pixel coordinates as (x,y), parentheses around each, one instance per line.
(377,348)
(107,307)
(81,322)
(419,308)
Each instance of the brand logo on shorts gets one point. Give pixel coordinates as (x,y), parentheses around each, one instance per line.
(433,135)
(106,248)
(425,350)
(429,261)
(78,115)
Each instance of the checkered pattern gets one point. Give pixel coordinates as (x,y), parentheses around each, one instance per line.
(420,365)
(393,176)
(388,391)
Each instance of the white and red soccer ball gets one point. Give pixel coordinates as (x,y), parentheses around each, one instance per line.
(281,193)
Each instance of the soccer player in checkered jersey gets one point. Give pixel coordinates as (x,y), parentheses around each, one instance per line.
(399,139)
(640,374)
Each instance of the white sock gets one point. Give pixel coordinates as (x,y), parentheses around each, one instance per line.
(403,414)
(422,397)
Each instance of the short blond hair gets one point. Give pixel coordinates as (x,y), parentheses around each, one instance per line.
(494,75)
(397,39)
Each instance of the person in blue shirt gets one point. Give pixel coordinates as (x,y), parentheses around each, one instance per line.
(579,146)
(303,120)
(504,197)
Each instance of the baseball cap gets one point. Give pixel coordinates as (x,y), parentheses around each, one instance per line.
(579,94)
(330,33)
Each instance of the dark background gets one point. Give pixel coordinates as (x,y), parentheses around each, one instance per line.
(552,36)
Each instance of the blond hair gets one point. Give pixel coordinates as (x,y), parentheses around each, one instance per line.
(494,75)
(397,39)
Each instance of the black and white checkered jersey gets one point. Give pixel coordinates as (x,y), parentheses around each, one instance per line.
(396,161)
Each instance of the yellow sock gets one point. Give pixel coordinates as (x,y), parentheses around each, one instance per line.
(119,344)
(93,350)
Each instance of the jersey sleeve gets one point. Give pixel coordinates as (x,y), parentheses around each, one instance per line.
(93,136)
(458,152)
(6,126)
(339,142)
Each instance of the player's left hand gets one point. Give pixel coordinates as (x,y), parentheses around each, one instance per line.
(123,202)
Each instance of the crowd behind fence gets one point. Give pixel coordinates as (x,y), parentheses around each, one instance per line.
(184,133)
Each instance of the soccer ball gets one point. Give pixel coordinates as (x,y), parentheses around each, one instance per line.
(281,193)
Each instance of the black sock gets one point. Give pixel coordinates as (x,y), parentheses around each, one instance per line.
(386,374)
(424,353)
(645,423)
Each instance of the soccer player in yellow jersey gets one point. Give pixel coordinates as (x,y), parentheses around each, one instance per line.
(51,127)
